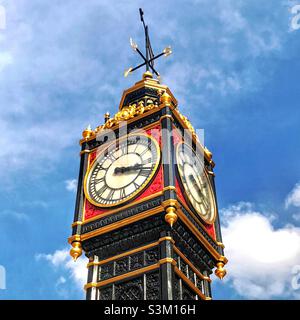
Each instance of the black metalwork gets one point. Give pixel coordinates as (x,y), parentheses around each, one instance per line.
(150,57)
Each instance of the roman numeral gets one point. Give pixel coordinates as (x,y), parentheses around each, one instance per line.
(96,181)
(136,185)
(123,194)
(144,152)
(101,190)
(145,172)
(111,157)
(110,194)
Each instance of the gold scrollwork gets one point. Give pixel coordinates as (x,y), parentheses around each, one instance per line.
(188,124)
(126,113)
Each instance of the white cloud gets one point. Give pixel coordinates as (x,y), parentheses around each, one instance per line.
(71,185)
(261,257)
(293,198)
(19,216)
(296,217)
(62,262)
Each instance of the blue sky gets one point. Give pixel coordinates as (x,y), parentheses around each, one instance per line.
(235,72)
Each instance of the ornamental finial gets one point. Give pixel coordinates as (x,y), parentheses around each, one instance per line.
(149,58)
(76,251)
(220,271)
(87,132)
(106,117)
(166,99)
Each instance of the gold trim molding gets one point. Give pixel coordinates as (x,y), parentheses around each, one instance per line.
(76,223)
(121,223)
(130,274)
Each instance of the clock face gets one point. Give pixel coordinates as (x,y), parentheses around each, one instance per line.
(122,170)
(196,182)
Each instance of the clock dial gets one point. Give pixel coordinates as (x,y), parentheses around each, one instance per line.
(122,170)
(196,182)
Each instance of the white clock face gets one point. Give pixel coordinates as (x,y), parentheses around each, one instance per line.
(196,182)
(122,170)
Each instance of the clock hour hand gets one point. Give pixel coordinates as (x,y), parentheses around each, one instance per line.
(137,166)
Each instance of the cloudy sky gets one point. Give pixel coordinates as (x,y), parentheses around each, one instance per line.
(235,71)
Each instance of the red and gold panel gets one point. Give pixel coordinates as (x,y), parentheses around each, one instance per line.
(92,210)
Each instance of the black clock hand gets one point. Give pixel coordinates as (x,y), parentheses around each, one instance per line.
(137,166)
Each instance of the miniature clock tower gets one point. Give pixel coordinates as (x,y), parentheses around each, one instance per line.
(146,211)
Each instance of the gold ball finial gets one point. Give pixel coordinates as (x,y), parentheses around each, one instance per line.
(147,75)
(171,216)
(87,132)
(165,99)
(220,271)
(76,251)
(106,116)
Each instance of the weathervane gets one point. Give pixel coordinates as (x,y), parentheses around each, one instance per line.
(149,59)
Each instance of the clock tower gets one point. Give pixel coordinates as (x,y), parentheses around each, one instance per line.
(146,211)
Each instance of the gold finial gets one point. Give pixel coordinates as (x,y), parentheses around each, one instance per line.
(147,75)
(76,251)
(165,99)
(87,132)
(106,117)
(171,216)
(220,271)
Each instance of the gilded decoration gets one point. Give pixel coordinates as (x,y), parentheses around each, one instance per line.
(125,114)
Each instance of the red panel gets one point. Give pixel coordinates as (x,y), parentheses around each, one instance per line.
(92,156)
(92,211)
(179,192)
(155,186)
(155,132)
(211,230)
